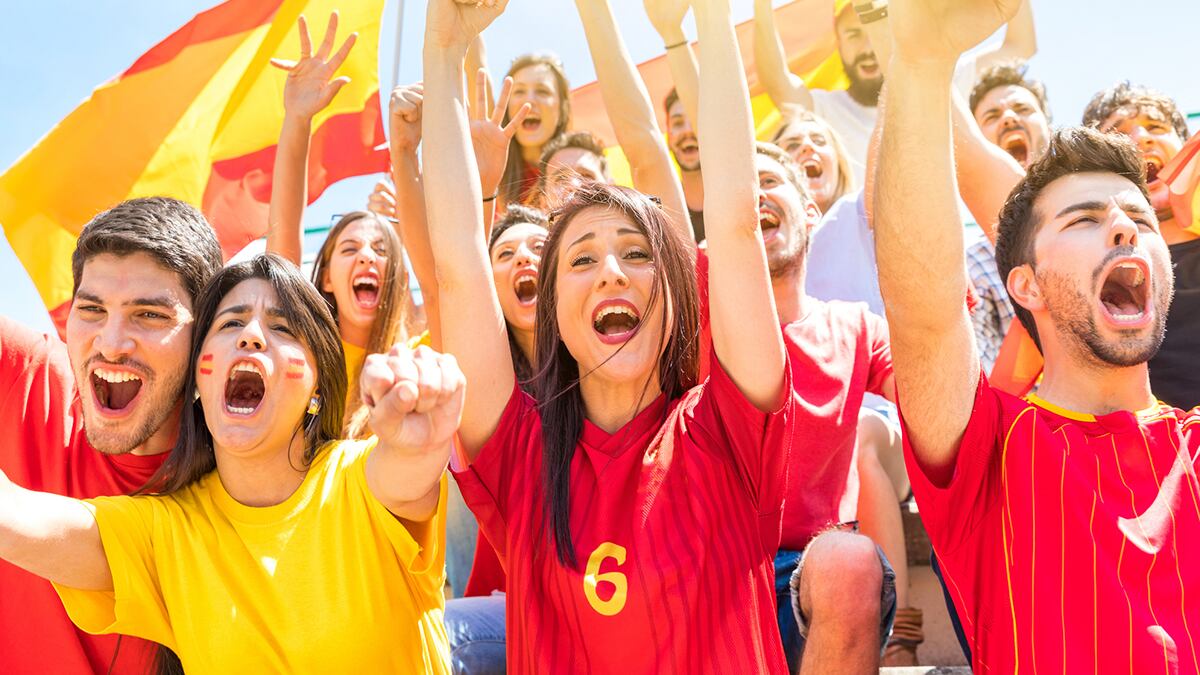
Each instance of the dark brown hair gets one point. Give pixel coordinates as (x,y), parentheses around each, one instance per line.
(556,384)
(515,215)
(1124,94)
(1071,150)
(670,100)
(391,314)
(1005,74)
(514,171)
(172,232)
(584,140)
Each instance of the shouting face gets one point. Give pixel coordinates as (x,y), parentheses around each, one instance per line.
(128,334)
(682,138)
(355,273)
(537,86)
(810,144)
(858,57)
(1012,119)
(516,260)
(1157,140)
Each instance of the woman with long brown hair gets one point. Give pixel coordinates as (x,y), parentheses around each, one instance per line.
(655,516)
(264,540)
(540,81)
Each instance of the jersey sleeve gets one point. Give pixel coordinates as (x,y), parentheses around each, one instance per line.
(504,464)
(758,442)
(879,348)
(421,547)
(954,502)
(135,605)
(37,390)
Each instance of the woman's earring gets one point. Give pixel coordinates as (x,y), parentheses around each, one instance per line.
(314,404)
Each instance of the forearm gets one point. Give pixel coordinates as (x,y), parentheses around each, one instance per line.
(782,86)
(52,536)
(746,336)
(289,189)
(1020,40)
(685,72)
(986,174)
(406,481)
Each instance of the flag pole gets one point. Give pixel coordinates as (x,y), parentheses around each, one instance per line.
(396,52)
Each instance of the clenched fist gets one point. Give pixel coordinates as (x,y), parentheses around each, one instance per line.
(415,398)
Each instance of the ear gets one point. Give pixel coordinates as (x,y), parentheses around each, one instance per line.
(326,284)
(1023,287)
(812,215)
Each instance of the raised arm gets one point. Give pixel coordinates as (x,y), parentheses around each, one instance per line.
(54,537)
(919,242)
(986,173)
(667,18)
(1020,41)
(782,85)
(307,92)
(745,330)
(631,113)
(416,400)
(473,327)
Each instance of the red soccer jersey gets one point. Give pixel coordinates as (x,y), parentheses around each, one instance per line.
(675,520)
(1070,542)
(47,451)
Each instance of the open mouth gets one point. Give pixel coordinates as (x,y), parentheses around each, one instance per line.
(1016,143)
(812,168)
(689,145)
(768,222)
(531,122)
(115,390)
(615,321)
(1125,294)
(869,67)
(525,287)
(1153,166)
(366,290)
(245,389)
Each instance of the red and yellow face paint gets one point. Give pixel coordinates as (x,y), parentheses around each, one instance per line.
(295,369)
(206,364)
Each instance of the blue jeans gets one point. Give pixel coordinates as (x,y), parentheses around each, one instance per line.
(475,627)
(793,627)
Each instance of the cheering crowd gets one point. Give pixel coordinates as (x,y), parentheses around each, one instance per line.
(658,429)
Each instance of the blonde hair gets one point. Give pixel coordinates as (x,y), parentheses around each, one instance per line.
(846,182)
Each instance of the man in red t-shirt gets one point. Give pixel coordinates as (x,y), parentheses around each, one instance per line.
(1067,524)
(137,269)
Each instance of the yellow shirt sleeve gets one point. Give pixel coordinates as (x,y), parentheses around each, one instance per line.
(419,546)
(135,605)
(418,340)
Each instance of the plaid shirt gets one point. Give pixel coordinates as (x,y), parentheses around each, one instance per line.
(994,313)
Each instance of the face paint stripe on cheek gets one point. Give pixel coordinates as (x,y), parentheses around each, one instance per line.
(295,369)
(206,364)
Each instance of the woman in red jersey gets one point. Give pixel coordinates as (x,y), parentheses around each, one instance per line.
(655,511)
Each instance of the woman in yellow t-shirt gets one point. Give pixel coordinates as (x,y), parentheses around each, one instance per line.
(268,545)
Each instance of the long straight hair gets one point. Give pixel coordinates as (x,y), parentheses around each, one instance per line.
(517,214)
(556,382)
(309,317)
(391,314)
(514,170)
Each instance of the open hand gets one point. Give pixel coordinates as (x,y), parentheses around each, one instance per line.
(404,116)
(489,135)
(455,23)
(382,200)
(415,398)
(941,30)
(308,89)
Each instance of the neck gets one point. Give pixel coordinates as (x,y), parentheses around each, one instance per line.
(1094,389)
(1173,233)
(791,302)
(524,340)
(163,439)
(693,189)
(354,335)
(610,404)
(532,154)
(265,478)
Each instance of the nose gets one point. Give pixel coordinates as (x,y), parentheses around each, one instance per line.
(1140,137)
(251,338)
(612,273)
(1009,117)
(366,255)
(1123,231)
(114,340)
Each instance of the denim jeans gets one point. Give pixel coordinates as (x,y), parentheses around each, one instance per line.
(475,627)
(793,628)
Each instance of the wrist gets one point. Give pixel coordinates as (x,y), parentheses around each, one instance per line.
(296,120)
(922,69)
(671,34)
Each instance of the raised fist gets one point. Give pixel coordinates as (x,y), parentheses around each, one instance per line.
(415,398)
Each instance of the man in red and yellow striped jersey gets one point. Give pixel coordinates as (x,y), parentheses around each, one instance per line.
(1067,524)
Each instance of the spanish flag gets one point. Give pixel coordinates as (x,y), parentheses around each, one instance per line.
(806,29)
(196,118)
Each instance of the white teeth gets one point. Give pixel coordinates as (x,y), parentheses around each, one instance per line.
(244,367)
(366,281)
(115,376)
(239,411)
(615,309)
(1128,317)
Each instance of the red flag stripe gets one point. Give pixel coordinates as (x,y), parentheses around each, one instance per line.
(227,18)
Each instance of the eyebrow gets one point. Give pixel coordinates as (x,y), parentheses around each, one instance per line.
(164,301)
(1096,205)
(246,309)
(592,235)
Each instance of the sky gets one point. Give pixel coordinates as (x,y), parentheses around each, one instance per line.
(55,52)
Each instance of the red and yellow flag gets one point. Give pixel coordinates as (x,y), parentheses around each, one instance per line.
(806,29)
(196,118)
(1182,176)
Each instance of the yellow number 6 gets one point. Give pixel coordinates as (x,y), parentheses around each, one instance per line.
(592,577)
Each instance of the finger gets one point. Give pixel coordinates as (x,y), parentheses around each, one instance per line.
(332,89)
(453,381)
(283,64)
(375,379)
(305,40)
(404,394)
(330,35)
(502,104)
(429,384)
(516,120)
(340,56)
